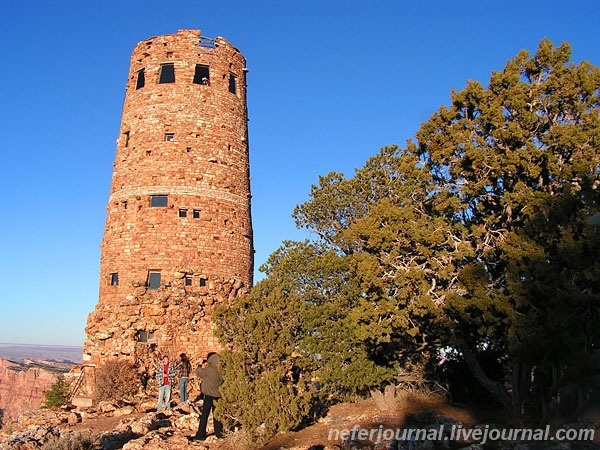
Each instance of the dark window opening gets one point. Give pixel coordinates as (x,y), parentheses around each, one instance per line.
(169,137)
(196,214)
(153,280)
(141,79)
(202,75)
(144,336)
(159,201)
(167,74)
(114,279)
(183,213)
(188,149)
(207,42)
(232,84)
(126,138)
(202,282)
(148,152)
(188,281)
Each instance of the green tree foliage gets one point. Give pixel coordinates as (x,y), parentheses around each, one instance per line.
(292,343)
(470,241)
(58,394)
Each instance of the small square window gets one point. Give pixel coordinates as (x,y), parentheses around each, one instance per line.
(159,201)
(144,336)
(167,74)
(169,137)
(202,282)
(153,280)
(196,214)
(188,281)
(183,213)
(114,279)
(126,139)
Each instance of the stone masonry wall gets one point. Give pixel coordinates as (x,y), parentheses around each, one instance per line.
(179,206)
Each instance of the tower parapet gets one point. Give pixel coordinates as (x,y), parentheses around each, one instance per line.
(178,234)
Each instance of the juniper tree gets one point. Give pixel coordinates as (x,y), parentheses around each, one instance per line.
(58,394)
(475,236)
(292,344)
(470,239)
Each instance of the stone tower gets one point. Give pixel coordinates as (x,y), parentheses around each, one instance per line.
(178,235)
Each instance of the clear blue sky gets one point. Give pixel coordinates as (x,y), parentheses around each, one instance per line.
(330,82)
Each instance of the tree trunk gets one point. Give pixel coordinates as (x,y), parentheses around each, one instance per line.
(497,389)
(521,385)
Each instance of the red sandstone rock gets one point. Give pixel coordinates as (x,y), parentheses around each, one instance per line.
(22,387)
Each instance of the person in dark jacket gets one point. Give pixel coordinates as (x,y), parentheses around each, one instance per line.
(211,380)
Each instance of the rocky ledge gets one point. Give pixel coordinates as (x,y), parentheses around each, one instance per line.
(135,427)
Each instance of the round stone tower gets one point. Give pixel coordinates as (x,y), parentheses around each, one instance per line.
(178,235)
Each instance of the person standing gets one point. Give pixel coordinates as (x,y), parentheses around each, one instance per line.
(184,368)
(211,380)
(165,376)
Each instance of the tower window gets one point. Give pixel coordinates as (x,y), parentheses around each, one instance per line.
(126,138)
(141,79)
(196,214)
(202,75)
(114,279)
(188,280)
(202,282)
(144,336)
(232,84)
(153,280)
(183,213)
(167,74)
(169,137)
(159,201)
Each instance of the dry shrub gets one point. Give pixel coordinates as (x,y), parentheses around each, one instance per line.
(246,440)
(411,385)
(75,441)
(413,382)
(385,400)
(116,380)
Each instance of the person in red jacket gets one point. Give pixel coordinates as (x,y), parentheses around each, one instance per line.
(165,376)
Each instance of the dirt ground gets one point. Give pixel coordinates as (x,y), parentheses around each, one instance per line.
(364,413)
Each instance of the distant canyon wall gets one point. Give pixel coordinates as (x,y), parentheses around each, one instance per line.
(22,386)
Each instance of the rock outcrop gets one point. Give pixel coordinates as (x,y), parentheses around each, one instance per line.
(112,425)
(22,385)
